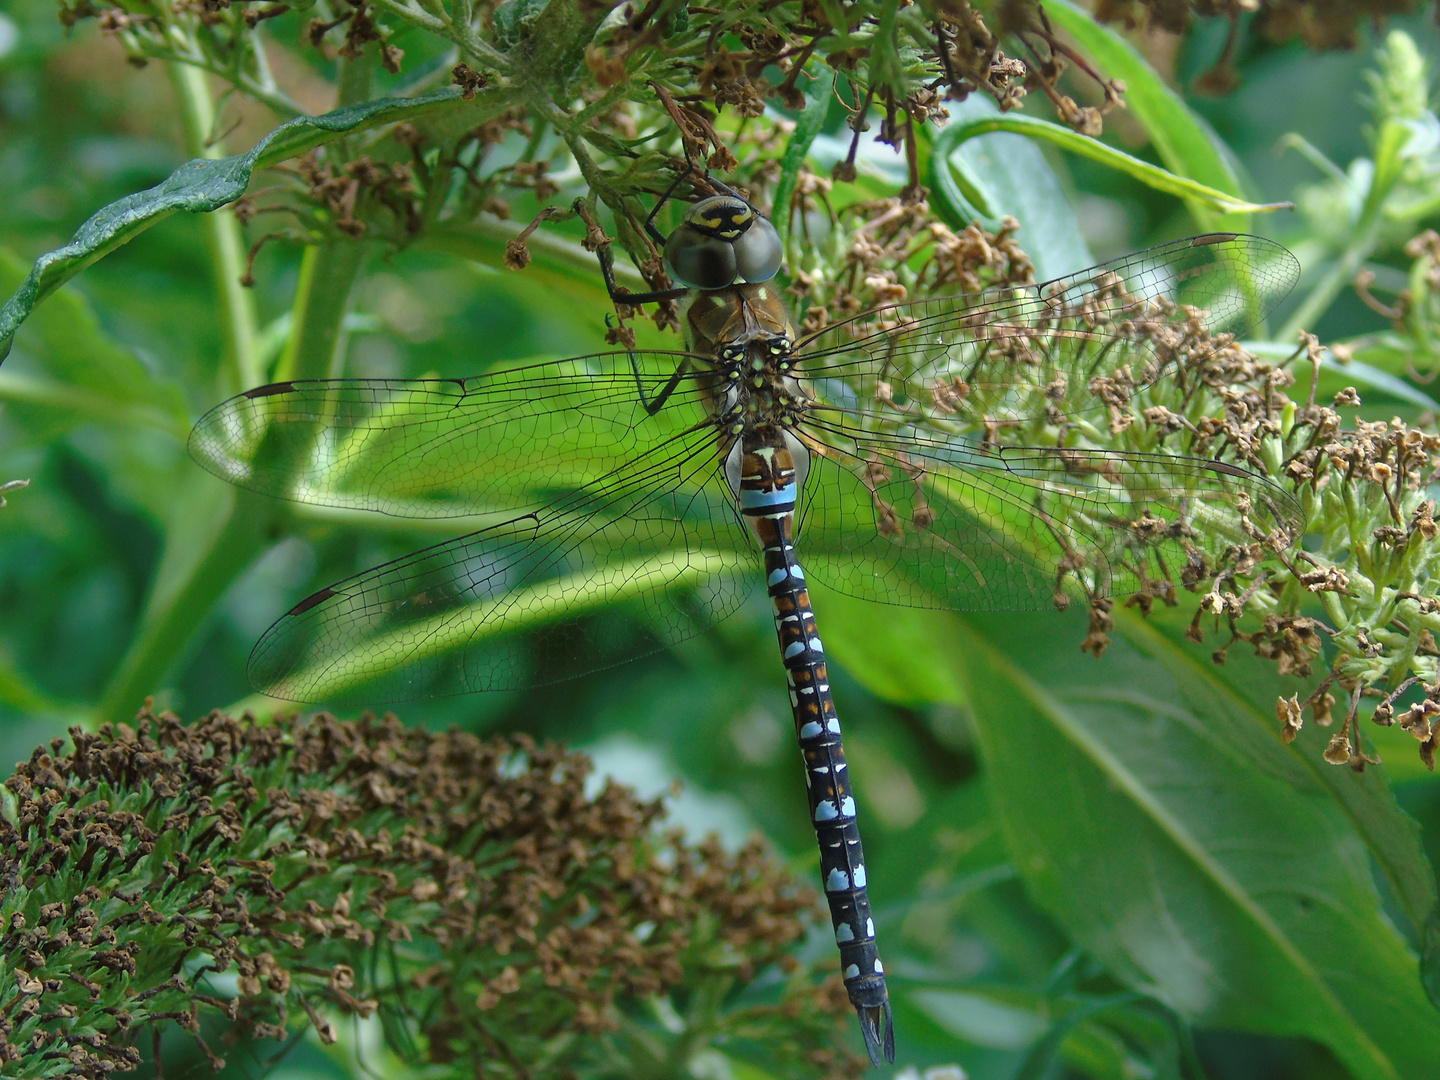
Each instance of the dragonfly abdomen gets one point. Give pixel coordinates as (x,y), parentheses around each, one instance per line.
(768,491)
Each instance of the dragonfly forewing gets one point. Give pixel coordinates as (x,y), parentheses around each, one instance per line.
(1063,348)
(433,448)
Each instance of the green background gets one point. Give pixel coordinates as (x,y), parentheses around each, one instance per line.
(1075,864)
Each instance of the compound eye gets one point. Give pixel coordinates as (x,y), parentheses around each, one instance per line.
(698,261)
(758,252)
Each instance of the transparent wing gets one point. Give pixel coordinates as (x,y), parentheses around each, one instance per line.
(1062,348)
(433,448)
(903,503)
(930,522)
(662,533)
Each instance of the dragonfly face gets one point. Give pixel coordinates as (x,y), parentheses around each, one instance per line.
(625,477)
(722,241)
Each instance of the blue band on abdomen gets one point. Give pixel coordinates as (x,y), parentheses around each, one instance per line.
(755,500)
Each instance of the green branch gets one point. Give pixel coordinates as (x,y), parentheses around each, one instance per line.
(227,246)
(1364,236)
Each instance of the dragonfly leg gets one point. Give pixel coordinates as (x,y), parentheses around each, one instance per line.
(607,262)
(650,229)
(607,267)
(655,404)
(724,188)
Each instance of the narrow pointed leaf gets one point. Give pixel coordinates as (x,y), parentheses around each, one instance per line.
(990,176)
(1210,201)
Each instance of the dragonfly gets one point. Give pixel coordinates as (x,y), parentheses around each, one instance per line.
(881,448)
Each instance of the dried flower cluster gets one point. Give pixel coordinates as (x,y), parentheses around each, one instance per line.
(1357,599)
(887,251)
(468,891)
(593,84)
(352,199)
(697,75)
(1356,603)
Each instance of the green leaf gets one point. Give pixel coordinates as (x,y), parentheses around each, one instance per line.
(1382,351)
(547,601)
(1185,143)
(1390,156)
(1041,1058)
(1366,799)
(906,664)
(199,186)
(982,1018)
(987,177)
(807,127)
(1194,193)
(1154,812)
(1365,376)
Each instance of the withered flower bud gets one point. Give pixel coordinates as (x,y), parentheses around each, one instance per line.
(1424,521)
(1417,719)
(1338,752)
(469,80)
(1287,711)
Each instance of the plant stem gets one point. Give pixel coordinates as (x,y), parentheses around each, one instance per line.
(206,552)
(88,403)
(289,360)
(1343,271)
(558,258)
(1389,150)
(266,93)
(355,79)
(462,14)
(240,525)
(227,246)
(329,272)
(187,588)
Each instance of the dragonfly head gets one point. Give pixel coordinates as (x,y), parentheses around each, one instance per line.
(723,241)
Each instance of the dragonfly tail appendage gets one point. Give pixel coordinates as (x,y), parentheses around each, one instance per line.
(878,1027)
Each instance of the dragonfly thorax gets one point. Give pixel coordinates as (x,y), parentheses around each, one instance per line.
(765,396)
(748,331)
(721,322)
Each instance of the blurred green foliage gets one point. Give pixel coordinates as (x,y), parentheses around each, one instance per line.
(1081,868)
